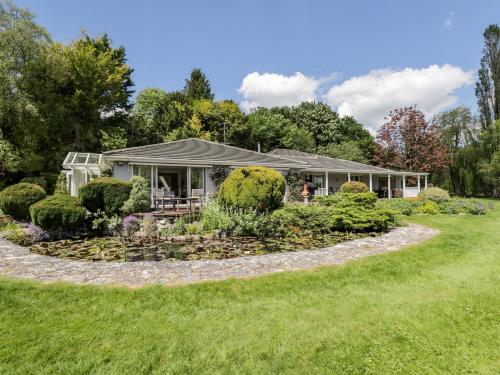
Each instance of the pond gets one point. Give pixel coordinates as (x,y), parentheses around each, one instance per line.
(114,249)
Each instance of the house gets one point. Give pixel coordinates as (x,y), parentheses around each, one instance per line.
(191,165)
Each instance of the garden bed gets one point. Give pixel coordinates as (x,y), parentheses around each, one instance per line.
(185,247)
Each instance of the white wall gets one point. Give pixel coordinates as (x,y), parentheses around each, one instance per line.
(123,172)
(210,188)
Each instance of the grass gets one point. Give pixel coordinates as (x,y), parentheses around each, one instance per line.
(432,308)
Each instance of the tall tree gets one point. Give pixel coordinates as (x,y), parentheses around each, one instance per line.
(197,86)
(460,132)
(488,84)
(408,142)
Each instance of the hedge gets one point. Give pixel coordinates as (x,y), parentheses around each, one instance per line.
(367,200)
(434,194)
(58,211)
(105,193)
(16,200)
(255,188)
(353,187)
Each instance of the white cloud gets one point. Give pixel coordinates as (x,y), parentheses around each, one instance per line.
(272,89)
(369,98)
(448,22)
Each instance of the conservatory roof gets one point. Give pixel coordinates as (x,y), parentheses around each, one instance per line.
(82,159)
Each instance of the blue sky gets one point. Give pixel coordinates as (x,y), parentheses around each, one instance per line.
(332,45)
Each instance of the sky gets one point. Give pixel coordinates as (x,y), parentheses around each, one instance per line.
(364,58)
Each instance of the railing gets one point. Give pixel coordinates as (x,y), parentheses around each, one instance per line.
(321,191)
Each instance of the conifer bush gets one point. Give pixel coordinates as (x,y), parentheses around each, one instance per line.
(16,200)
(58,211)
(255,188)
(353,187)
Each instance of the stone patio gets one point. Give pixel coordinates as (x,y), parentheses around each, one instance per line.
(16,261)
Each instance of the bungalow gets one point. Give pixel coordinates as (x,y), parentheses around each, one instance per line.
(189,167)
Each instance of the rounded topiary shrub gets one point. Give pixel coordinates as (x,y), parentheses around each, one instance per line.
(256,188)
(58,211)
(353,187)
(435,194)
(16,200)
(105,193)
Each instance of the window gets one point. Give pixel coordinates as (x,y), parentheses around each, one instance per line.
(357,178)
(197,178)
(143,171)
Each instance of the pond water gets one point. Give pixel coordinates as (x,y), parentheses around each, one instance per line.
(113,249)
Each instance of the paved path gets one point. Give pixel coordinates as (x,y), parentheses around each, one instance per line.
(17,261)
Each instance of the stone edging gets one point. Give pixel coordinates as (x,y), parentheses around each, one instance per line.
(17,261)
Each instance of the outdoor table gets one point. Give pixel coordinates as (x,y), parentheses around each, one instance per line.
(189,200)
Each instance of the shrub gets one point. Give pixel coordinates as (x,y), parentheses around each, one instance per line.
(367,200)
(36,234)
(294,219)
(403,206)
(429,207)
(15,233)
(104,224)
(131,225)
(353,187)
(358,219)
(61,186)
(139,199)
(17,199)
(248,223)
(37,180)
(105,193)
(214,217)
(254,188)
(58,211)
(434,194)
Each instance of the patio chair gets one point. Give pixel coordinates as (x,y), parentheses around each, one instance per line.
(198,193)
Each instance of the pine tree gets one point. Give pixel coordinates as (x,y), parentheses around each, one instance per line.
(197,86)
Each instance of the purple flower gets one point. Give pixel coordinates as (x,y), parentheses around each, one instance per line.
(130,224)
(37,234)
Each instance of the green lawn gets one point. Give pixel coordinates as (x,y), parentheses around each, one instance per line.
(433,308)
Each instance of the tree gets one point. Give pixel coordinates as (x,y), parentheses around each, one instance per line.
(267,129)
(317,118)
(488,85)
(296,138)
(9,160)
(192,129)
(348,150)
(460,132)
(155,114)
(408,142)
(197,86)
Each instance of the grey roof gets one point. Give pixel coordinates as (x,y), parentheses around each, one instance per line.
(324,163)
(194,151)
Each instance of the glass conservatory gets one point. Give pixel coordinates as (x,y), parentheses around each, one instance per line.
(80,168)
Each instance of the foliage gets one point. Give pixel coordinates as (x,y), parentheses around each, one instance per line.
(131,224)
(107,224)
(197,86)
(139,199)
(488,85)
(149,227)
(113,139)
(192,129)
(16,233)
(36,234)
(58,211)
(214,217)
(248,223)
(403,206)
(61,185)
(353,187)
(294,184)
(299,219)
(348,150)
(9,160)
(255,188)
(434,194)
(105,193)
(194,228)
(36,180)
(408,142)
(429,207)
(106,169)
(219,174)
(16,200)
(366,199)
